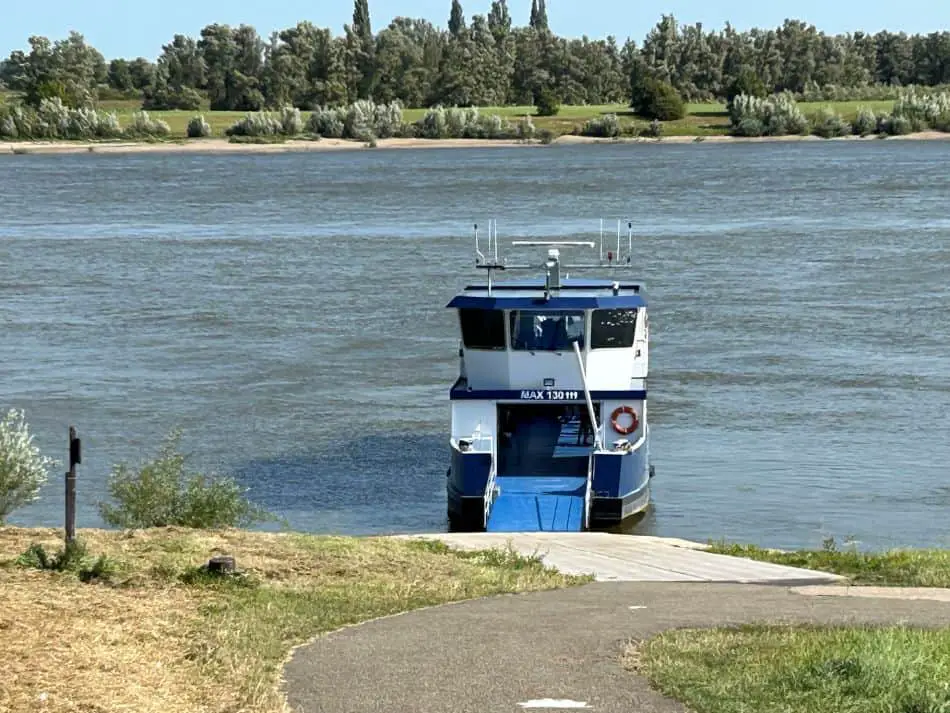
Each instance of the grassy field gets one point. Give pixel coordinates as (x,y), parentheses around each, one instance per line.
(701,120)
(760,669)
(899,568)
(810,669)
(159,634)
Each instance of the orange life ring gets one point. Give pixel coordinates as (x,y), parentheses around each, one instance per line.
(634,421)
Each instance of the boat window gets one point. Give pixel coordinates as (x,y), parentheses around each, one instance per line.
(546,331)
(482,328)
(612,328)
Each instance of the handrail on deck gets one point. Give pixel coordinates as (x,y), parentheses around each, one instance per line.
(598,436)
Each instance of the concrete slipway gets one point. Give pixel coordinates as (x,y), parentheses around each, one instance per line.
(633,558)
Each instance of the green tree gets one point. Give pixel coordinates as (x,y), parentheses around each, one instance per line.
(457,20)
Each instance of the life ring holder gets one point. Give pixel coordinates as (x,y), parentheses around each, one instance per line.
(634,420)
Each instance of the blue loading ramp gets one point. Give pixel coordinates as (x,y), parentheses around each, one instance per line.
(538,504)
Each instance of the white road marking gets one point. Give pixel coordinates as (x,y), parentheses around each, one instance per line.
(552,703)
(637,607)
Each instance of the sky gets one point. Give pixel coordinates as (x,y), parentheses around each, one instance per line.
(131,29)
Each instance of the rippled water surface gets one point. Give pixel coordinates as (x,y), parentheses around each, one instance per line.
(287,311)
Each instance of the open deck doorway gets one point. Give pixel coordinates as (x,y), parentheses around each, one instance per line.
(539,440)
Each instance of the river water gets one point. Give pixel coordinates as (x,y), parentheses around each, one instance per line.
(287,312)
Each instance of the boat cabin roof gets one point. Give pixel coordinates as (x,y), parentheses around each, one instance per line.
(573,294)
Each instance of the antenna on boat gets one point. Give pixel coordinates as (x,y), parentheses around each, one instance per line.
(601,239)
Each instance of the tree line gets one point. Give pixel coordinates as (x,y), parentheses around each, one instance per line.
(484,60)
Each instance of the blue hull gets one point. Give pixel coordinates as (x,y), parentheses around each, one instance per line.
(529,503)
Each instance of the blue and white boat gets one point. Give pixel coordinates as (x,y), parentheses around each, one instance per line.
(549,412)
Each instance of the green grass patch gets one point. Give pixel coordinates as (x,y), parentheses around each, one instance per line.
(764,669)
(896,568)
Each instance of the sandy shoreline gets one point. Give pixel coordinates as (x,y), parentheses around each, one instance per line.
(16,148)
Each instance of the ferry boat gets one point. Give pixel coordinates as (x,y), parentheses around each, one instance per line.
(549,426)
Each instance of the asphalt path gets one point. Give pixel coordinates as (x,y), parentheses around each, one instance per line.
(555,650)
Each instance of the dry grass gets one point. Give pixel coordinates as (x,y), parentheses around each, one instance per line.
(157,638)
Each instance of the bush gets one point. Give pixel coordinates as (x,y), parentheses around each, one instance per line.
(144,126)
(23,470)
(749,126)
(654,130)
(923,110)
(162,494)
(895,125)
(525,129)
(865,122)
(290,121)
(359,121)
(828,124)
(546,103)
(658,100)
(198,128)
(777,115)
(72,558)
(260,123)
(607,126)
(325,122)
(546,136)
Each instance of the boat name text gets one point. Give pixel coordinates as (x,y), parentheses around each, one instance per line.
(549,395)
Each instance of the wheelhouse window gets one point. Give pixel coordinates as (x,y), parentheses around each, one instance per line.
(612,328)
(482,328)
(546,331)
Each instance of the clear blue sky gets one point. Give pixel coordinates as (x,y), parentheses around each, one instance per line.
(126,28)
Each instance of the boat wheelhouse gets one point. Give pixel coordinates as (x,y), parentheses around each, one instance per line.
(549,413)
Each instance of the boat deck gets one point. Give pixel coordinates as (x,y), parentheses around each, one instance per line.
(633,558)
(538,504)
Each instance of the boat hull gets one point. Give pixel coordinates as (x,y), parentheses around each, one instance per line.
(620,488)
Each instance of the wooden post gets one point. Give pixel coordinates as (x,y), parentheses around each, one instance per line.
(75,457)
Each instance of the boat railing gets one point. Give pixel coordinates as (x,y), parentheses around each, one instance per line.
(490,491)
(609,255)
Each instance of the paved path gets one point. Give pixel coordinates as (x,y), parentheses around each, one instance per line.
(626,558)
(495,655)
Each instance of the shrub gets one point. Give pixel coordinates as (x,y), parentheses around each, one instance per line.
(359,121)
(546,103)
(326,123)
(258,123)
(654,99)
(162,494)
(865,122)
(142,125)
(778,115)
(433,124)
(895,125)
(923,110)
(607,126)
(749,126)
(198,128)
(290,121)
(72,558)
(8,129)
(496,127)
(828,124)
(546,136)
(655,129)
(365,120)
(525,129)
(23,470)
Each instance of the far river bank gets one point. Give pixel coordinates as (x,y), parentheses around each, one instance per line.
(225,146)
